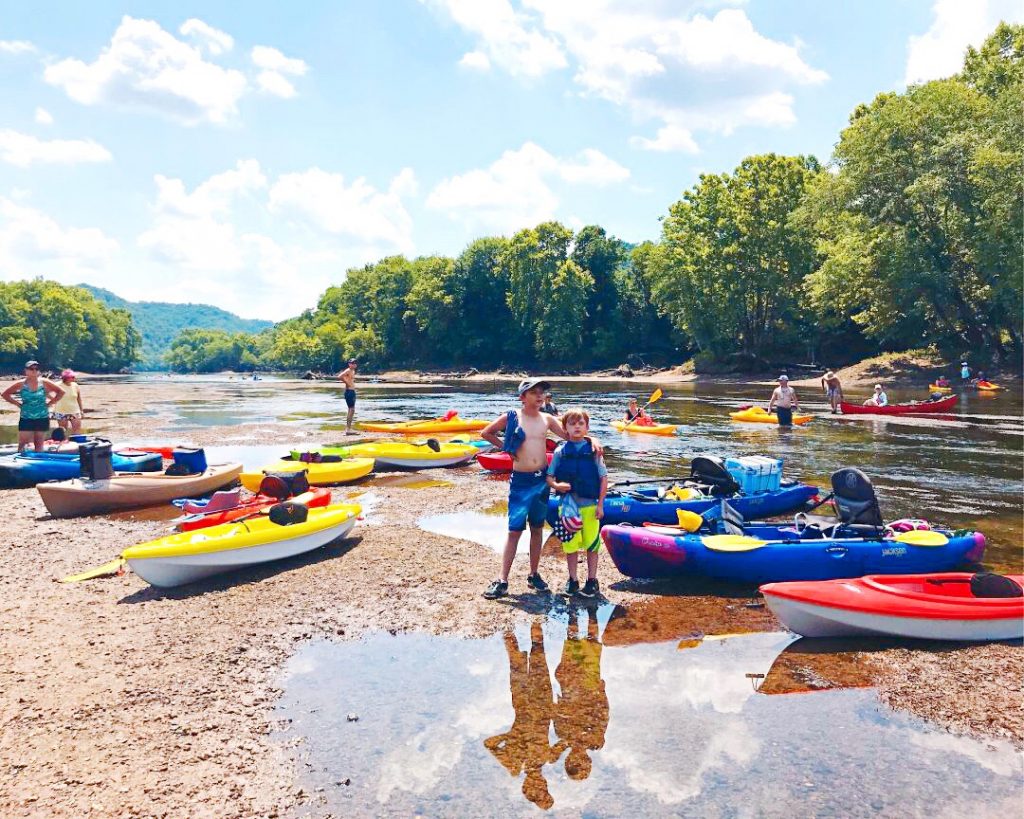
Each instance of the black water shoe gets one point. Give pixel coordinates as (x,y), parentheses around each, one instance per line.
(591,588)
(571,587)
(496,589)
(536,582)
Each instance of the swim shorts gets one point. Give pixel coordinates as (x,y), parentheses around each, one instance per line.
(833,392)
(33,425)
(527,499)
(589,537)
(785,416)
(350,398)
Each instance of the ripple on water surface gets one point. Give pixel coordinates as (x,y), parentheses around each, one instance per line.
(555,716)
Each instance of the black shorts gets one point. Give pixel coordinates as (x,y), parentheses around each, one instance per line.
(350,398)
(33,425)
(785,416)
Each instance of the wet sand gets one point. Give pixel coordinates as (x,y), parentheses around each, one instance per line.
(117,699)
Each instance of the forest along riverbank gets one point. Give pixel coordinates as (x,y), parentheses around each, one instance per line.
(118,697)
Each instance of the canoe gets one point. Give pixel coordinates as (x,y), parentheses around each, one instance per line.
(783,554)
(498,461)
(315,498)
(923,606)
(401,454)
(937,388)
(646,429)
(131,490)
(455,424)
(322,474)
(190,556)
(911,408)
(759,415)
(30,468)
(643,505)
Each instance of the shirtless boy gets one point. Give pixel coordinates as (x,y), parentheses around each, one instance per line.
(526,430)
(348,378)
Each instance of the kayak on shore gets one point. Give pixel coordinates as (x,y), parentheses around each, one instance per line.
(400,454)
(452,423)
(956,606)
(30,467)
(197,518)
(910,408)
(343,470)
(502,461)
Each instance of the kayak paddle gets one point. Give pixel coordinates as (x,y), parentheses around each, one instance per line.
(655,396)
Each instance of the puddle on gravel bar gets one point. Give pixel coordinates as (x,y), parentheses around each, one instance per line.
(408,480)
(551,716)
(488,528)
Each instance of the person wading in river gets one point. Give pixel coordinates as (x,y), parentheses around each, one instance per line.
(348,378)
(833,388)
(784,401)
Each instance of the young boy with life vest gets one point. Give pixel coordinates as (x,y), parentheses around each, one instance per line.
(578,468)
(525,435)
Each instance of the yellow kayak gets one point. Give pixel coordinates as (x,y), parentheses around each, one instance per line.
(988,386)
(455,424)
(404,455)
(189,556)
(648,429)
(322,474)
(758,415)
(937,388)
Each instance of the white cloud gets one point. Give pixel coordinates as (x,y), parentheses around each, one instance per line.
(212,197)
(648,58)
(275,65)
(28,235)
(324,201)
(506,37)
(145,66)
(16,47)
(939,52)
(44,117)
(214,40)
(24,150)
(475,60)
(514,191)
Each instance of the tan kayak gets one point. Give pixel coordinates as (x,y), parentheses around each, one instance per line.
(131,490)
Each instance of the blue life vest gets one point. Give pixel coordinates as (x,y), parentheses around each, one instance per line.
(578,468)
(514,434)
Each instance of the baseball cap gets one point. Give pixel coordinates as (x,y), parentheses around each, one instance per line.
(31,363)
(783,377)
(878,386)
(530,383)
(352,361)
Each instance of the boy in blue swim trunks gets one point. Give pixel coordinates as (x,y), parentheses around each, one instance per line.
(577,468)
(526,431)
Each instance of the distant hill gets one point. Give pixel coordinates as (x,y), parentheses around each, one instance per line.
(159,322)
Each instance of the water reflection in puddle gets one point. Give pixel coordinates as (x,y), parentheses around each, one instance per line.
(488,528)
(551,715)
(407,480)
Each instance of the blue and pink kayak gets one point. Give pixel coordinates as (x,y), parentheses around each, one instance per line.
(30,468)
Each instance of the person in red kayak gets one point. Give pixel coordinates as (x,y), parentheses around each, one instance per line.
(879,399)
(637,415)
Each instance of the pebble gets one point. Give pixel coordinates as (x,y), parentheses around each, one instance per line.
(353,717)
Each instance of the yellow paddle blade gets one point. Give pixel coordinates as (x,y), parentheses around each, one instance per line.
(922,537)
(115,566)
(732,543)
(655,396)
(690,521)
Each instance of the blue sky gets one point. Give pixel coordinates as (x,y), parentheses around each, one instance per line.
(196,152)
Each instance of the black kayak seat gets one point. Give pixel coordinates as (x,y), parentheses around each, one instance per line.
(990,584)
(709,470)
(855,499)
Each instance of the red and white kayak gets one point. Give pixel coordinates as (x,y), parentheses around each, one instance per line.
(912,408)
(502,461)
(922,606)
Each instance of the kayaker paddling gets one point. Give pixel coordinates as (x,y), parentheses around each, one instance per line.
(348,378)
(783,402)
(637,415)
(33,395)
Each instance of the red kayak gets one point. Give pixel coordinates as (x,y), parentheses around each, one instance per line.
(913,408)
(255,505)
(955,606)
(502,461)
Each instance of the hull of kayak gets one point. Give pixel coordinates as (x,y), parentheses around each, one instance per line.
(405,456)
(641,552)
(643,506)
(916,408)
(74,498)
(883,606)
(758,415)
(30,468)
(433,425)
(650,429)
(187,557)
(315,498)
(322,474)
(988,386)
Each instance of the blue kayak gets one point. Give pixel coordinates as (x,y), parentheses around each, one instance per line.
(785,553)
(643,506)
(30,468)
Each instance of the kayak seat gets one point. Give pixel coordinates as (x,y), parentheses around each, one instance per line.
(732,521)
(989,584)
(855,499)
(710,471)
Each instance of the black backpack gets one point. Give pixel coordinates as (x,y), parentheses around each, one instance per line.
(283,485)
(989,584)
(287,513)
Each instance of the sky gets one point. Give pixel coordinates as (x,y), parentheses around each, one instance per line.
(197,152)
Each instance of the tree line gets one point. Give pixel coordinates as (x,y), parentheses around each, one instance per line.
(63,326)
(910,237)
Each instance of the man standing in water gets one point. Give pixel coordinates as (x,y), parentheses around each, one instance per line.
(348,378)
(833,389)
(784,401)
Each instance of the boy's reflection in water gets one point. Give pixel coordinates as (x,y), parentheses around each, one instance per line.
(580,716)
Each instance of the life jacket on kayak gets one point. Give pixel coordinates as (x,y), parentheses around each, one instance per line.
(856,502)
(514,434)
(577,467)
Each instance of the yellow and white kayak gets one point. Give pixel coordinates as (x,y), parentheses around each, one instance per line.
(759,415)
(454,424)
(322,474)
(937,388)
(405,455)
(646,429)
(190,556)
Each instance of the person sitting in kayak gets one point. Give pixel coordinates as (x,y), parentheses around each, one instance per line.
(942,381)
(577,468)
(879,399)
(784,401)
(637,415)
